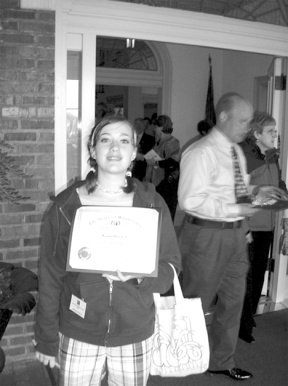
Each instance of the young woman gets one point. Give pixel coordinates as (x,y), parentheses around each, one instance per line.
(114,334)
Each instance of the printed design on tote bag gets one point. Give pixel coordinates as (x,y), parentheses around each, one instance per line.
(178,351)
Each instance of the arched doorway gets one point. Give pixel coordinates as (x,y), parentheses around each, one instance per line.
(127,80)
(137,78)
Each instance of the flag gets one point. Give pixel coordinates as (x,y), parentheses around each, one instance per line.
(210,115)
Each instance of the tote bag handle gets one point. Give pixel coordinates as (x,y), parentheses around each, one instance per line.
(178,295)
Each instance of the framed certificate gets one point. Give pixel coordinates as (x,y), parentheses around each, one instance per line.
(107,239)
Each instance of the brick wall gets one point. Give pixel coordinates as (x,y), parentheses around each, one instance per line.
(27,123)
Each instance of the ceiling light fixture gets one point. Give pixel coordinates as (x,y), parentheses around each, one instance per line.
(130,43)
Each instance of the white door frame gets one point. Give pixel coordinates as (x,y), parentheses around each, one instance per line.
(278,67)
(160,79)
(90,18)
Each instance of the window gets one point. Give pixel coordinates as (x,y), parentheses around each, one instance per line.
(114,53)
(73,114)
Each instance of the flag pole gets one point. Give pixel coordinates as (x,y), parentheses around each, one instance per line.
(210,115)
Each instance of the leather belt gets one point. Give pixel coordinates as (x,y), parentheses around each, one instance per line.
(214,224)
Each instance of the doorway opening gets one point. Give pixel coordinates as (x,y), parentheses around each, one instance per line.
(130,80)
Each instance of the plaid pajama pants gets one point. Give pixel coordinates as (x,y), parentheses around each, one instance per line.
(83,364)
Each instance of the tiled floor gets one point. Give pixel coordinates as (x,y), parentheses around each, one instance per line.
(32,373)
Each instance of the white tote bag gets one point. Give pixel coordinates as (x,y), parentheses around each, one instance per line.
(180,341)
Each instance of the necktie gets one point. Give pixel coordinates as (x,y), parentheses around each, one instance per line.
(138,139)
(240,187)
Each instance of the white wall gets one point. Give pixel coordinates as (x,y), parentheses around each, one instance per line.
(232,71)
(189,86)
(240,70)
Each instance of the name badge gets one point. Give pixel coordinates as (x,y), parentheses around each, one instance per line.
(78,306)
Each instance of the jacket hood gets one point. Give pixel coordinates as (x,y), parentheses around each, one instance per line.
(67,199)
(254,156)
(146,192)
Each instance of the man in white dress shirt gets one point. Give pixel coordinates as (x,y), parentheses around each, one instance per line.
(213,242)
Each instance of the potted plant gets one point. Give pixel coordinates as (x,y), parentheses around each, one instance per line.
(15,282)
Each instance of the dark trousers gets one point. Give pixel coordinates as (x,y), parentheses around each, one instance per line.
(215,262)
(258,251)
(168,190)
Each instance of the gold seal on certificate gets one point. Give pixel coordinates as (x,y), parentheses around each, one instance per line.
(107,239)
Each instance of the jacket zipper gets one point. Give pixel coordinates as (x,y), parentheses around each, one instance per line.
(66,218)
(110,309)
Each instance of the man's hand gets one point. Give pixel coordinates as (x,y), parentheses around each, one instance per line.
(151,161)
(47,360)
(247,210)
(271,192)
(140,157)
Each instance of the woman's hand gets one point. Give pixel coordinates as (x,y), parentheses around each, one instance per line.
(151,162)
(47,360)
(121,277)
(272,192)
(140,157)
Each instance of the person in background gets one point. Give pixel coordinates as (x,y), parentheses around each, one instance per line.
(263,166)
(213,238)
(149,126)
(113,332)
(154,118)
(144,143)
(164,174)
(203,128)
(101,110)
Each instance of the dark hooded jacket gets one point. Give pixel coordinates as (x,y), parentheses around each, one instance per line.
(117,314)
(263,170)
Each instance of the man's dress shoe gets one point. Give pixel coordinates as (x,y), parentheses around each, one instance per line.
(246,336)
(236,374)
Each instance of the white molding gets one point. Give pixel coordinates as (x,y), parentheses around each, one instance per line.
(164,59)
(60,145)
(88,95)
(128,77)
(143,22)
(45,5)
(162,78)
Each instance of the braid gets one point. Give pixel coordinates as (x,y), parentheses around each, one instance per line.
(130,187)
(91,177)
